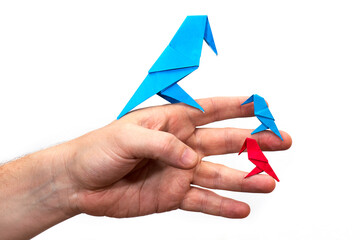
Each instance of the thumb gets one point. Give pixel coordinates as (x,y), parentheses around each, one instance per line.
(163,146)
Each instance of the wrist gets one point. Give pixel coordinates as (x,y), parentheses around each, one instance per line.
(35,193)
(63,192)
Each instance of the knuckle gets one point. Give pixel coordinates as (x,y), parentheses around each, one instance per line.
(217,178)
(168,143)
(228,140)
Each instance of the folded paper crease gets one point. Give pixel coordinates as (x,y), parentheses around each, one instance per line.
(180,58)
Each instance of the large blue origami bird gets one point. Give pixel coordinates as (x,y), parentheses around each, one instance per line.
(264,115)
(180,58)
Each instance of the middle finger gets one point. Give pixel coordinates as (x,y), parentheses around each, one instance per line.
(216,141)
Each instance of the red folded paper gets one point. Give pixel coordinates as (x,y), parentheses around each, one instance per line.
(257,157)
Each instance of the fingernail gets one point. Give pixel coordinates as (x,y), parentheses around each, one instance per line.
(189,158)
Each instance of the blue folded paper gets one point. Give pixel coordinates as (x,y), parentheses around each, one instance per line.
(262,112)
(180,58)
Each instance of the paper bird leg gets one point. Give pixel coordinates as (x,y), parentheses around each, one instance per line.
(274,128)
(169,99)
(256,170)
(175,94)
(260,128)
(270,124)
(267,168)
(154,83)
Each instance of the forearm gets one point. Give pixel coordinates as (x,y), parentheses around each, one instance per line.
(35,193)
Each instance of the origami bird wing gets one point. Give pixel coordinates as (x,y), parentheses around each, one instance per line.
(265,113)
(257,157)
(184,50)
(172,59)
(180,58)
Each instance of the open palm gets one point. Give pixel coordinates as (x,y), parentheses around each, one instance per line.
(150,160)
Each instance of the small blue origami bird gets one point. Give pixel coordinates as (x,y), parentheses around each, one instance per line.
(264,115)
(180,58)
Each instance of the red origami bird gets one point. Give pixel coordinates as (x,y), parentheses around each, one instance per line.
(257,157)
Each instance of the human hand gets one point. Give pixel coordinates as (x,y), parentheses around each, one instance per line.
(150,161)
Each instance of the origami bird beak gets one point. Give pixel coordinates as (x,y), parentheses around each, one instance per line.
(208,37)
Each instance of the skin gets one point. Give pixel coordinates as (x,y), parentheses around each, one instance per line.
(149,161)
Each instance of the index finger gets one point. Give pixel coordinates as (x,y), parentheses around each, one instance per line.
(220,108)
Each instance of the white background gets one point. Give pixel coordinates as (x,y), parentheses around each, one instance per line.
(68,67)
